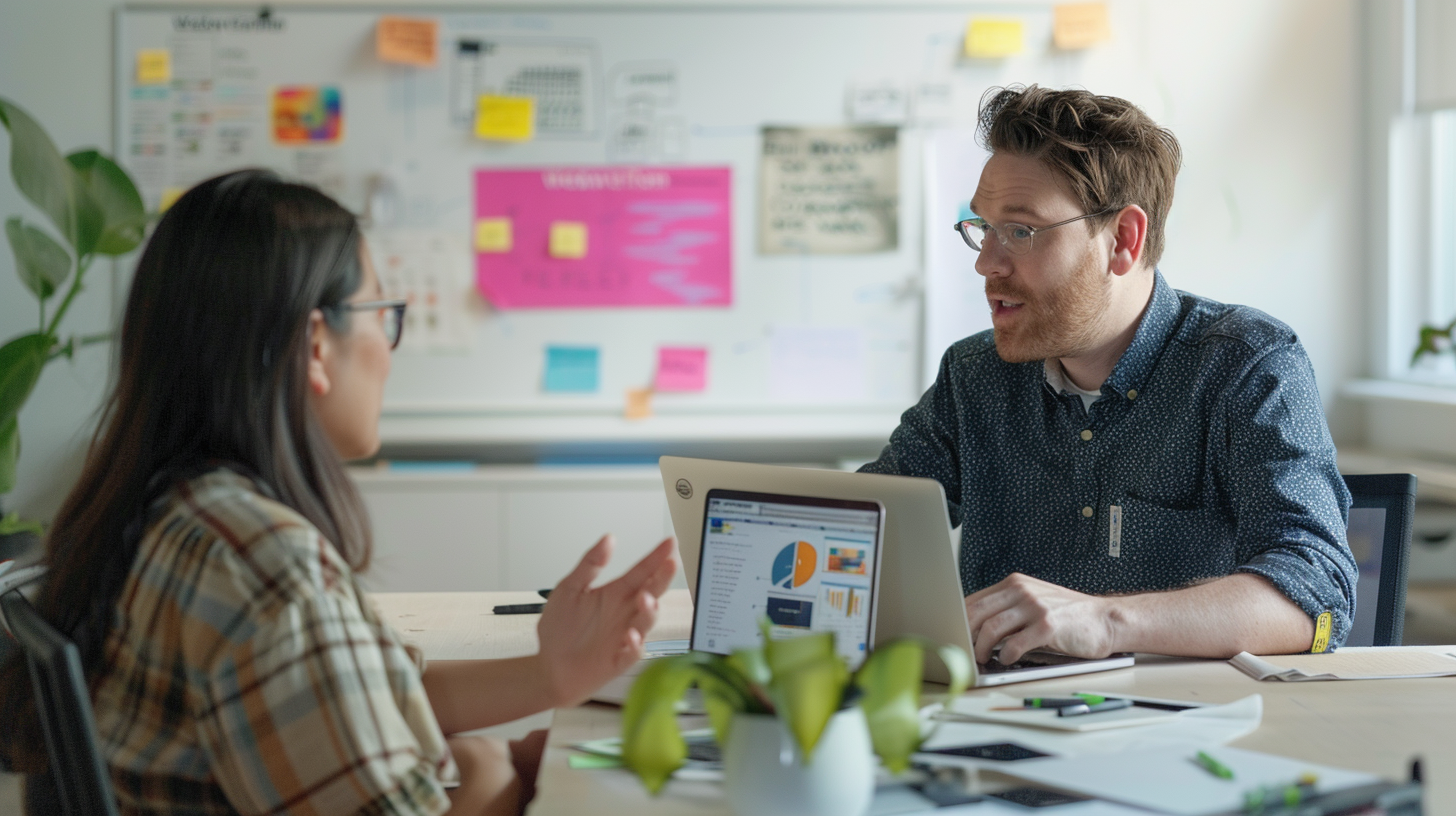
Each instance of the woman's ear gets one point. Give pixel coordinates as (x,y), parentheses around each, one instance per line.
(320,353)
(1129,234)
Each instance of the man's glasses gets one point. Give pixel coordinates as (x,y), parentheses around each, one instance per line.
(1016,238)
(393,316)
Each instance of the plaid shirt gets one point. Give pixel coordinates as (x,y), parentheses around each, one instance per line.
(249,674)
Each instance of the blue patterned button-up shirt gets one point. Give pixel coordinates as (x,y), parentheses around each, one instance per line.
(1207,454)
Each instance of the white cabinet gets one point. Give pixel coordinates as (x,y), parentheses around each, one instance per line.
(505,527)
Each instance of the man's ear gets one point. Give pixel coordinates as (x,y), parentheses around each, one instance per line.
(1129,236)
(320,353)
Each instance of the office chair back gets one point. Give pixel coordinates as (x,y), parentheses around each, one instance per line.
(1380,536)
(64,704)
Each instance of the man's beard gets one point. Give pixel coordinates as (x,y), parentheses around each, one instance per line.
(1064,322)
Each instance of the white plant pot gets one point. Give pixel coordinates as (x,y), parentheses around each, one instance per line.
(765,774)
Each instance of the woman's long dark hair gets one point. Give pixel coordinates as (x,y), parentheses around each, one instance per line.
(213,368)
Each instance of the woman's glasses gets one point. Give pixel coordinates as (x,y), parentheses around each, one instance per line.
(393,315)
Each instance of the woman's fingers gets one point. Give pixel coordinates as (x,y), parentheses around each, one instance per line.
(644,570)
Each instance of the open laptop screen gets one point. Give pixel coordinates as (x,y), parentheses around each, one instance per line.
(806,564)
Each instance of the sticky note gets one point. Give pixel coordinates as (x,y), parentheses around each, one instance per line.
(493,235)
(639,403)
(572,370)
(1080,25)
(169,197)
(681,369)
(568,240)
(505,118)
(407,41)
(153,66)
(989,38)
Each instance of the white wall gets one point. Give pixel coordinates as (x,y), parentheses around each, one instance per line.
(1264,95)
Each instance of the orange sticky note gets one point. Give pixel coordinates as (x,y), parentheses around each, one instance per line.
(153,66)
(639,403)
(568,240)
(1080,25)
(493,235)
(991,38)
(505,118)
(407,41)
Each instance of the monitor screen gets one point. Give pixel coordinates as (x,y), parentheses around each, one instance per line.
(806,564)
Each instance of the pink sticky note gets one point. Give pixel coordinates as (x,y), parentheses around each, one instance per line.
(681,369)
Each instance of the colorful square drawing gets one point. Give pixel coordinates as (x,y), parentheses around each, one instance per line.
(307,114)
(847,560)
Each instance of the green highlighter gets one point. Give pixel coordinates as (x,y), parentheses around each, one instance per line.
(1213,766)
(1063,702)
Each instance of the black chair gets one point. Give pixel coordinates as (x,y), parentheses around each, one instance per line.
(1380,537)
(81,780)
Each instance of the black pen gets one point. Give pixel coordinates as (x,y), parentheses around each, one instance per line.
(519,609)
(1109,705)
(545,593)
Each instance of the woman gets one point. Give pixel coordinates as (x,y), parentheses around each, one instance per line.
(205,562)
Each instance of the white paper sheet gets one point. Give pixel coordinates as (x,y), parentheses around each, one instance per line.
(1372,664)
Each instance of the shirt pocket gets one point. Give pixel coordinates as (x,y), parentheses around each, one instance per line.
(1164,547)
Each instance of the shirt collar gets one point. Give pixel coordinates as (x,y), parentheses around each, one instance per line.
(1159,322)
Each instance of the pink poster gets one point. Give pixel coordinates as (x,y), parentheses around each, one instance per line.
(604,236)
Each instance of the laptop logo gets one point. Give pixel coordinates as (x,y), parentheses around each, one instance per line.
(684,488)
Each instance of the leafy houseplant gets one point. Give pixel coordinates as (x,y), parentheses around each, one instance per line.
(95,208)
(801,681)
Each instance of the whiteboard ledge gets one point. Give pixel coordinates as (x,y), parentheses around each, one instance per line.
(436,429)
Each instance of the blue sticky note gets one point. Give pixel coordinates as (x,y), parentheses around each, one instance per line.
(572,369)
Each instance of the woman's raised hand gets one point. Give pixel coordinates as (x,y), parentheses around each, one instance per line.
(589,635)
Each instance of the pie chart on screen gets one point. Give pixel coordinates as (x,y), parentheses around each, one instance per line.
(794,565)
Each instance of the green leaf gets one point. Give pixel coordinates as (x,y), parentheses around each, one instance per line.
(890,678)
(45,178)
(652,745)
(808,695)
(124,218)
(21,361)
(789,653)
(42,264)
(9,453)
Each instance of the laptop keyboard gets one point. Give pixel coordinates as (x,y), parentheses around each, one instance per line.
(1030,660)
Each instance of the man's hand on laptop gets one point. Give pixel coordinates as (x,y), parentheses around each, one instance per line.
(1022,613)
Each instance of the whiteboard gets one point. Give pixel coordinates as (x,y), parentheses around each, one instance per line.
(408,158)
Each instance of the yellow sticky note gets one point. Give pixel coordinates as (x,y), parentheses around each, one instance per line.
(639,403)
(154,66)
(989,38)
(169,197)
(407,41)
(493,235)
(1080,25)
(505,118)
(568,239)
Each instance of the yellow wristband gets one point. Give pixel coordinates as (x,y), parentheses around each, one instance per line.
(1321,633)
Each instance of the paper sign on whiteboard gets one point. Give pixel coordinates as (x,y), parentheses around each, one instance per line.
(653,237)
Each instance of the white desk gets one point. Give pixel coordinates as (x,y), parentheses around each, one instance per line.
(1374,726)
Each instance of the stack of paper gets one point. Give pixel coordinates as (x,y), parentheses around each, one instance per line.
(1348,664)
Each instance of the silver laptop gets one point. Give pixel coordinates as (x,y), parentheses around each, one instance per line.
(919,580)
(804,563)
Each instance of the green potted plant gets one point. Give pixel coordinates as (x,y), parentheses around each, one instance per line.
(95,209)
(797,727)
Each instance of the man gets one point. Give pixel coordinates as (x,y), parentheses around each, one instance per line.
(1133,468)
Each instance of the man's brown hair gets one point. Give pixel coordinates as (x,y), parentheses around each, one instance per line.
(1110,153)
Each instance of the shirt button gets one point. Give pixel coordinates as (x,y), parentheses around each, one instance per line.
(1132,393)
(1086,512)
(1086,435)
